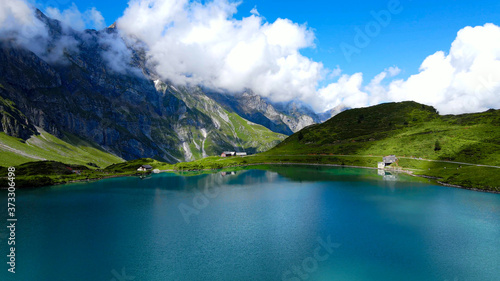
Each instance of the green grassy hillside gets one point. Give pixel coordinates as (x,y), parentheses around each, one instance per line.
(70,150)
(405,129)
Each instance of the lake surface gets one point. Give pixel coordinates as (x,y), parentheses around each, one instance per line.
(286,223)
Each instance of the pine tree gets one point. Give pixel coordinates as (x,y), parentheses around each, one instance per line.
(437,146)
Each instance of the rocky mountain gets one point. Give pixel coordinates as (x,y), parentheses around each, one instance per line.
(285,118)
(14,122)
(91,92)
(324,116)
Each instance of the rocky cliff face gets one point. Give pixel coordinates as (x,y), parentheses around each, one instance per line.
(13,122)
(285,118)
(119,105)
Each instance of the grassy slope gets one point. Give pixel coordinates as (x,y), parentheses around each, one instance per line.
(71,150)
(360,137)
(408,129)
(254,135)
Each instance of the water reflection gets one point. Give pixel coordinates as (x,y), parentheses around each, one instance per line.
(387,176)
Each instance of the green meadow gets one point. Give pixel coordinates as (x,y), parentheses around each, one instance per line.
(70,149)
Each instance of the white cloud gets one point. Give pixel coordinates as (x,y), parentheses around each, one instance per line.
(77,20)
(19,25)
(95,18)
(465,80)
(393,71)
(117,54)
(335,72)
(70,17)
(346,91)
(254,11)
(193,43)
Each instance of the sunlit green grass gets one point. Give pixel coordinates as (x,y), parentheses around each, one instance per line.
(71,150)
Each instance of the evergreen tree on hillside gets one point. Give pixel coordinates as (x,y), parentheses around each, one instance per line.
(437,146)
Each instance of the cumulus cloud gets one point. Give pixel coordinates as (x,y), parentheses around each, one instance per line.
(254,11)
(194,43)
(346,91)
(465,80)
(72,17)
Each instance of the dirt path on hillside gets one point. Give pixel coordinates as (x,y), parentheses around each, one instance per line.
(376,156)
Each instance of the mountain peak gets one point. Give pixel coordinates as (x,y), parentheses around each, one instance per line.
(41,16)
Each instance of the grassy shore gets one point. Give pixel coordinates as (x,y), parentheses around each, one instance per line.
(470,176)
(44,173)
(464,175)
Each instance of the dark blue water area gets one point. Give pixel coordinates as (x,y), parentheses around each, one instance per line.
(285,223)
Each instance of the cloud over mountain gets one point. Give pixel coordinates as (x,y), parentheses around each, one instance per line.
(205,44)
(18,25)
(193,43)
(77,20)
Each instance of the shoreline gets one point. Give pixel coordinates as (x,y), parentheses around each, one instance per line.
(88,180)
(408,172)
(468,188)
(68,182)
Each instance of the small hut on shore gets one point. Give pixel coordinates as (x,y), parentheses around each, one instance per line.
(145,168)
(387,161)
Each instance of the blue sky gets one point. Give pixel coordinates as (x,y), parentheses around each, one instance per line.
(422,28)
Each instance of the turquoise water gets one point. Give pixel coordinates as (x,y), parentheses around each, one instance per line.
(291,223)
